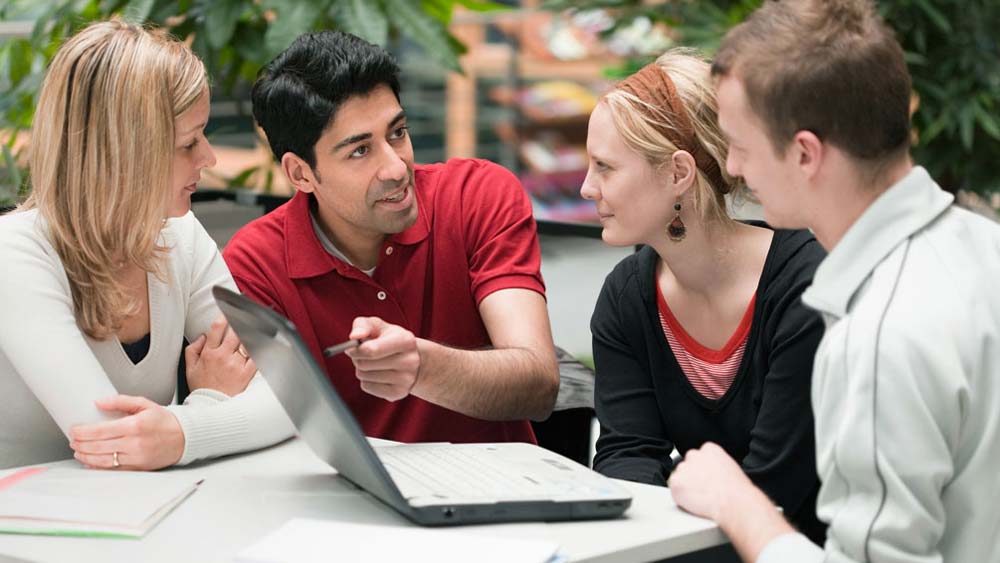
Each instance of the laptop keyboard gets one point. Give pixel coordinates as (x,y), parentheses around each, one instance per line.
(452,472)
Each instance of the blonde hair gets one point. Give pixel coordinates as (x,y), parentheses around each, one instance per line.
(102,159)
(642,127)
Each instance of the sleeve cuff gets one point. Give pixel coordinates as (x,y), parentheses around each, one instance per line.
(509,281)
(204,397)
(214,424)
(790,547)
(208,430)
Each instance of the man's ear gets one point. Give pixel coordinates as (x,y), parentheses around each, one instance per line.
(300,175)
(808,151)
(683,172)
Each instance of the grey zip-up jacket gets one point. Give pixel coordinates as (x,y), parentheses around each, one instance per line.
(906,385)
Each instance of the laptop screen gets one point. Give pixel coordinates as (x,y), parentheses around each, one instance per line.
(322,418)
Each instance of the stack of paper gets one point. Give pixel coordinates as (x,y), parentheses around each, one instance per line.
(307,541)
(83,502)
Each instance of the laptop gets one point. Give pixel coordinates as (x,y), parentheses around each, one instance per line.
(429,483)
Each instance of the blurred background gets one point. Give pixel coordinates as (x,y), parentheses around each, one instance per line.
(513,82)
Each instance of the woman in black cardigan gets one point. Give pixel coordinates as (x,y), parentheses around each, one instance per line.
(701,336)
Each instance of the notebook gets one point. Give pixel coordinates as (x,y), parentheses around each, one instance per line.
(316,541)
(87,502)
(431,484)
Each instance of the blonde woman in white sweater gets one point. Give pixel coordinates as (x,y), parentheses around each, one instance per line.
(107,271)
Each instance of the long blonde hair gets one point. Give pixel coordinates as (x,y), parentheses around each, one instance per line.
(642,125)
(102,159)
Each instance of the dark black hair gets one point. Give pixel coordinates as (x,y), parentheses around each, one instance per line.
(297,94)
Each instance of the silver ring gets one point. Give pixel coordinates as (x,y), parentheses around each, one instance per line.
(114,460)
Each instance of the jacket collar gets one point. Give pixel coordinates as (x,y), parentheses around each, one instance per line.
(905,208)
(305,256)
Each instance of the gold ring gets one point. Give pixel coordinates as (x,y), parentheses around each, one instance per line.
(114,460)
(242,353)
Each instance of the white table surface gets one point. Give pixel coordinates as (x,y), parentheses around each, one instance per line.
(246,496)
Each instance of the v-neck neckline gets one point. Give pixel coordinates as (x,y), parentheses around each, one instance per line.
(151,295)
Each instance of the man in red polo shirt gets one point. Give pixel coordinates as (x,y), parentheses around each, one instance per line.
(435,267)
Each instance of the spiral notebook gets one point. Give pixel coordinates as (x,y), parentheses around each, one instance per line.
(85,502)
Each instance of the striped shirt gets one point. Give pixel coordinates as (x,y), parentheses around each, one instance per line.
(710,372)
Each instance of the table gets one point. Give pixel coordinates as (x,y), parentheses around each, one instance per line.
(243,497)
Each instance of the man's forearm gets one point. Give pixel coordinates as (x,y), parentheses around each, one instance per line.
(492,384)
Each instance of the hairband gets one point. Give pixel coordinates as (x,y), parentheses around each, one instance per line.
(654,86)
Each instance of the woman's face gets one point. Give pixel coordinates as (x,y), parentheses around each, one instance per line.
(191,153)
(632,195)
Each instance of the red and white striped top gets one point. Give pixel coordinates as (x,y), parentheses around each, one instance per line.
(710,372)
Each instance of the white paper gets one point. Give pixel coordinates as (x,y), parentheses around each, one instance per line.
(60,500)
(306,541)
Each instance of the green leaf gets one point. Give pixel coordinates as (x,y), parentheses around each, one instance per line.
(443,10)
(934,129)
(240,180)
(91,11)
(13,170)
(482,6)
(248,71)
(20,58)
(966,125)
(928,89)
(425,30)
(365,19)
(248,44)
(988,122)
(221,17)
(936,17)
(169,8)
(47,19)
(912,58)
(457,46)
(184,28)
(440,10)
(293,19)
(137,11)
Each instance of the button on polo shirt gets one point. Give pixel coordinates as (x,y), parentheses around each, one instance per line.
(474,235)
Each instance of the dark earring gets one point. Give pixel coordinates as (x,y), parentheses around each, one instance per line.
(676,229)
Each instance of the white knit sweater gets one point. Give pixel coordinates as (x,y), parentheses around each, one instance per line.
(51,372)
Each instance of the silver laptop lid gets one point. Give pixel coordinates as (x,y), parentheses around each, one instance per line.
(322,418)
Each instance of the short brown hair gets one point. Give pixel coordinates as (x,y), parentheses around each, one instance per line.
(831,67)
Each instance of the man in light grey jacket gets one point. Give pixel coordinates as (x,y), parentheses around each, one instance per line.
(814,97)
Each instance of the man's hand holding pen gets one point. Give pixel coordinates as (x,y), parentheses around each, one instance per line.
(386,361)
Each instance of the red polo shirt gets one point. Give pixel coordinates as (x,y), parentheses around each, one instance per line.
(474,234)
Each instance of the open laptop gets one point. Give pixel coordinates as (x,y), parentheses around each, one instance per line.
(432,483)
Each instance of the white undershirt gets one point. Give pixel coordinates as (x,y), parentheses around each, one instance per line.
(331,248)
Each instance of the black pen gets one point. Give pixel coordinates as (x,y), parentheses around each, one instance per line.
(342,347)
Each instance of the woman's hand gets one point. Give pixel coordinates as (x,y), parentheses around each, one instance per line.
(217,360)
(148,437)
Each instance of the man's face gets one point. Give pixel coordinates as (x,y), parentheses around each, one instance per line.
(364,168)
(769,176)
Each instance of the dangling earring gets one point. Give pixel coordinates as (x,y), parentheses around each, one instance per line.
(676,229)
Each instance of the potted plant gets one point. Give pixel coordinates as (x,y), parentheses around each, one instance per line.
(233,37)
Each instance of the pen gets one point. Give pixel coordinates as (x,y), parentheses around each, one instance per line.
(342,347)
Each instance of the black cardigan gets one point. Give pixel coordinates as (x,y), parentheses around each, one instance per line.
(646,405)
